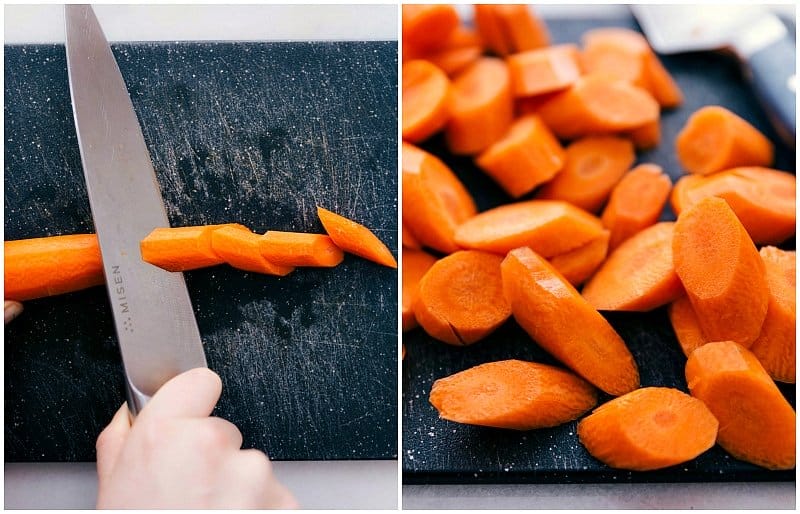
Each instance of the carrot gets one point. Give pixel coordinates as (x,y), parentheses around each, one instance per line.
(637,276)
(592,168)
(549,227)
(425,90)
(650,428)
(47,266)
(462,48)
(714,139)
(662,86)
(481,106)
(508,29)
(300,249)
(579,264)
(598,104)
(721,270)
(775,346)
(355,238)
(490,31)
(684,322)
(460,298)
(240,248)
(409,240)
(636,202)
(545,70)
(415,264)
(528,155)
(435,202)
(181,248)
(512,394)
(557,317)
(756,423)
(427,27)
(645,137)
(531,104)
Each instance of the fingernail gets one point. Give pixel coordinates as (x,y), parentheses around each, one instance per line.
(11,310)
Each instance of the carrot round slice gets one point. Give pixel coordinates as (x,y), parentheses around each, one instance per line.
(647,136)
(507,29)
(662,86)
(684,323)
(415,264)
(181,248)
(240,248)
(462,48)
(355,238)
(426,27)
(409,239)
(581,263)
(650,428)
(512,394)
(546,70)
(460,299)
(300,249)
(425,89)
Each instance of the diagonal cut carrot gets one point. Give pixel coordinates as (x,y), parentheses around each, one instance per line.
(355,238)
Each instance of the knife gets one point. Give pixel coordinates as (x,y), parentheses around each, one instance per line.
(153,316)
(756,35)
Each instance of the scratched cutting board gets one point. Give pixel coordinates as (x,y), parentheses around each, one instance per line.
(439,451)
(256,133)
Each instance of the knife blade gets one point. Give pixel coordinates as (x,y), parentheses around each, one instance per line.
(153,316)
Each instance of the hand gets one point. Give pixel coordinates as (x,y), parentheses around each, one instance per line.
(176,456)
(12,309)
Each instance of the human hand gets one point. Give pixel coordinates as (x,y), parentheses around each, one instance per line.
(11,310)
(176,456)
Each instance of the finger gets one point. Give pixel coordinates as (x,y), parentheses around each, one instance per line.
(192,394)
(111,441)
(256,475)
(11,310)
(217,433)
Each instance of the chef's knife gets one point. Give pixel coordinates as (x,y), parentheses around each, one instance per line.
(756,35)
(155,323)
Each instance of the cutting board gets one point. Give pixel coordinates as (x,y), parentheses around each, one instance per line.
(439,451)
(255,133)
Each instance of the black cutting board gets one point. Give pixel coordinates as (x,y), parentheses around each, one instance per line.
(439,451)
(258,134)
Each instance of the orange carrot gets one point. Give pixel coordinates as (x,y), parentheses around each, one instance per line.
(490,31)
(714,139)
(512,394)
(637,276)
(409,240)
(579,264)
(508,29)
(47,266)
(462,48)
(636,202)
(531,104)
(549,227)
(239,247)
(557,317)
(181,248)
(460,299)
(647,136)
(528,155)
(721,270)
(546,70)
(650,428)
(480,105)
(415,265)
(684,323)
(355,238)
(592,168)
(425,89)
(662,86)
(300,249)
(756,423)
(427,27)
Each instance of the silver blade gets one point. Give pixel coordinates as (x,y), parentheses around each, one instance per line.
(155,324)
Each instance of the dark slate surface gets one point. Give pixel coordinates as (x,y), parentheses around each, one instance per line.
(435,450)
(255,133)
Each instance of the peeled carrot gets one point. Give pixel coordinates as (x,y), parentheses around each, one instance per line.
(480,105)
(510,28)
(426,27)
(181,248)
(592,168)
(557,317)
(462,48)
(409,240)
(490,31)
(581,263)
(714,139)
(425,90)
(460,298)
(415,264)
(637,276)
(47,266)
(300,249)
(684,323)
(756,423)
(240,248)
(512,394)
(355,238)
(528,155)
(549,227)
(545,70)
(650,428)
(645,137)
(636,202)
(721,270)
(662,86)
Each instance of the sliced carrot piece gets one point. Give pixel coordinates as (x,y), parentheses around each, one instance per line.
(592,168)
(714,139)
(409,240)
(721,270)
(239,247)
(462,48)
(531,104)
(522,28)
(300,249)
(549,227)
(579,264)
(426,27)
(415,264)
(181,248)
(512,394)
(684,323)
(546,70)
(355,238)
(756,423)
(528,155)
(662,86)
(490,31)
(557,317)
(637,276)
(460,298)
(616,52)
(47,266)
(647,136)
(425,89)
(650,428)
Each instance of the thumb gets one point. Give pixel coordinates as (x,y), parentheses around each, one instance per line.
(111,441)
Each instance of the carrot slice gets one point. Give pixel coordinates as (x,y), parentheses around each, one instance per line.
(756,423)
(721,270)
(181,248)
(415,264)
(300,249)
(636,202)
(637,276)
(481,106)
(557,317)
(426,27)
(507,29)
(549,227)
(490,31)
(528,155)
(650,428)
(409,240)
(714,139)
(647,136)
(355,238)
(460,299)
(662,86)
(47,266)
(239,247)
(546,70)
(425,89)
(592,168)
(579,264)
(512,394)
(684,323)
(462,48)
